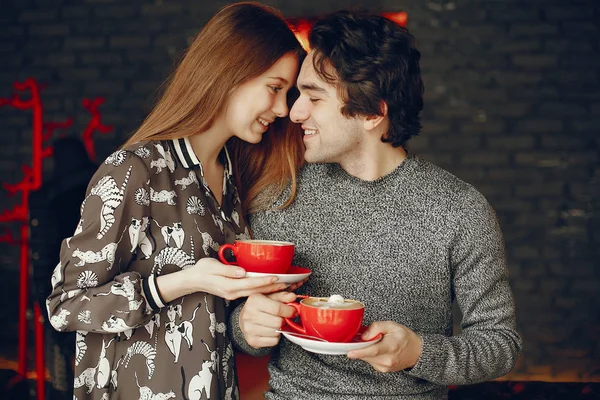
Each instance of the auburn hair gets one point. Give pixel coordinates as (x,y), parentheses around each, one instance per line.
(240,42)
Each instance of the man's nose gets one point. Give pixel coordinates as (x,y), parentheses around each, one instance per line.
(298,113)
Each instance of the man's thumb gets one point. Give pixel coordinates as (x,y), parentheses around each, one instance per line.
(283,297)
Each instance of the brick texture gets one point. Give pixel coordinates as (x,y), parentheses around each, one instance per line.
(512,106)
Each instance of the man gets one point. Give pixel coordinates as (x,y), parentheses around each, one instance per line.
(382,226)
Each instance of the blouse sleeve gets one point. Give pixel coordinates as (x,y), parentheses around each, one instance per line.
(93,288)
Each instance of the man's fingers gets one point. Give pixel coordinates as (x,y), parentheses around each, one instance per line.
(272,304)
(283,297)
(267,330)
(366,352)
(258,320)
(262,341)
(280,309)
(375,329)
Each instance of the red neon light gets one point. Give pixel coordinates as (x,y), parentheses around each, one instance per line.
(401,18)
(301,26)
(93,125)
(32,180)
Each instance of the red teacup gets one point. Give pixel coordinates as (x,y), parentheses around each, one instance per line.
(334,323)
(264,256)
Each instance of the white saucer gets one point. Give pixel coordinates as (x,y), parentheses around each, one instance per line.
(293,275)
(331,348)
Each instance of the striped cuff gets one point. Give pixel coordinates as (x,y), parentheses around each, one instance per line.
(153,297)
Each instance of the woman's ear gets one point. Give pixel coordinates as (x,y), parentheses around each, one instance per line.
(373,121)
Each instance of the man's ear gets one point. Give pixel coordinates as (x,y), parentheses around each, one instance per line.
(372,121)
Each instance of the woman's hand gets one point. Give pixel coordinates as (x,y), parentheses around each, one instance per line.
(211,276)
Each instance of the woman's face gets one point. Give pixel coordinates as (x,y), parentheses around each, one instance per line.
(255,104)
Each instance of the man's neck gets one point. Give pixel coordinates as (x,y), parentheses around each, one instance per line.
(375,161)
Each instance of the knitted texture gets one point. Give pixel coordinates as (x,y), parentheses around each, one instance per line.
(406,245)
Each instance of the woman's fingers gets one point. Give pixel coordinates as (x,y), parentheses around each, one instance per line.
(277,287)
(296,285)
(254,283)
(236,288)
(229,281)
(215,267)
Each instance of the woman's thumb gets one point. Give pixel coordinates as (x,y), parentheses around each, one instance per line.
(218,268)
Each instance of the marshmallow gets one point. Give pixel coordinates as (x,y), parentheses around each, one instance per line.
(336,298)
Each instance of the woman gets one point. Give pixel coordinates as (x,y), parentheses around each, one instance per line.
(138,281)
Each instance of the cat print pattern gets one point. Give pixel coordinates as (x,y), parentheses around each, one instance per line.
(147,213)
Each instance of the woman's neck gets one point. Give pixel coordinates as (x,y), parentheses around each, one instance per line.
(207,146)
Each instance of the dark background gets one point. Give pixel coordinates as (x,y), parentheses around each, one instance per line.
(512,106)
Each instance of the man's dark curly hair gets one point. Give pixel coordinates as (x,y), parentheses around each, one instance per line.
(373,59)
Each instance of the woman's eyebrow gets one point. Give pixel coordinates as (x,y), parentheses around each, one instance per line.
(283,80)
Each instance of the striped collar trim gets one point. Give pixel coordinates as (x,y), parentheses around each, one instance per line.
(187,157)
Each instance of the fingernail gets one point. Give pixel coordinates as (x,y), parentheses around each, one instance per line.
(240,272)
(274,279)
(351,355)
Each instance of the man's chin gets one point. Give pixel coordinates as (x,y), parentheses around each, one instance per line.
(312,159)
(308,158)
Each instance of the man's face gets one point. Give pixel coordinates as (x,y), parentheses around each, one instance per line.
(329,136)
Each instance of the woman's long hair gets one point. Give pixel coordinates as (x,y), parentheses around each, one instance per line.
(240,42)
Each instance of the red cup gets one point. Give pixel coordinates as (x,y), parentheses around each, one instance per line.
(264,256)
(332,323)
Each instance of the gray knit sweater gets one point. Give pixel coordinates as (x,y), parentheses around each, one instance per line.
(406,245)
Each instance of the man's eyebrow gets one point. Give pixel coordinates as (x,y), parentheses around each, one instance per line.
(312,87)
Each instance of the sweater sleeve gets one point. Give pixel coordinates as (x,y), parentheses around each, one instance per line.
(488,344)
(92,286)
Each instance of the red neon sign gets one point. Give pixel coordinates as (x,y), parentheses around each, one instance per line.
(301,27)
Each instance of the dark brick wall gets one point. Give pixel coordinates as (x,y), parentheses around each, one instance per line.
(512,106)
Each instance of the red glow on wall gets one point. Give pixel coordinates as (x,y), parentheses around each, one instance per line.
(401,18)
(42,133)
(301,26)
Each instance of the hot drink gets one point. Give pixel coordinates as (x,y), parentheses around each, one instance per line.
(263,256)
(324,303)
(333,319)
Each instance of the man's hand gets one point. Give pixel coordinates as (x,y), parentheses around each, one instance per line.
(262,315)
(400,347)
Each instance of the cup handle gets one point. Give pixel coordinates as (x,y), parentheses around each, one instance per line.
(222,253)
(294,326)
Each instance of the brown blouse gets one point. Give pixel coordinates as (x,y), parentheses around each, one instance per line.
(148,211)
